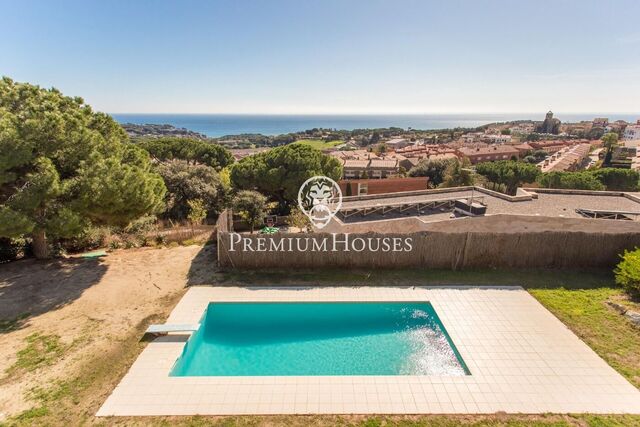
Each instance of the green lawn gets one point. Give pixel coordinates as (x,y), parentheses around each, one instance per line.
(575,297)
(319,144)
(605,330)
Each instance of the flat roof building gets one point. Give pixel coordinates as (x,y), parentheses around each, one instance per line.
(533,209)
(488,153)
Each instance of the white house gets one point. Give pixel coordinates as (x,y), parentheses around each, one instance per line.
(631,132)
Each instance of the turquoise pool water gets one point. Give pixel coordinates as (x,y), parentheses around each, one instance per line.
(324,338)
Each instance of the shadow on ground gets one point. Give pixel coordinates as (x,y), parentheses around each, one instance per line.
(204,267)
(29,287)
(529,279)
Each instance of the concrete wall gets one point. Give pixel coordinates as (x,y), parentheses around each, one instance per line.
(500,223)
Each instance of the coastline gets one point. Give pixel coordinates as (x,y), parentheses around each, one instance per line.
(217,125)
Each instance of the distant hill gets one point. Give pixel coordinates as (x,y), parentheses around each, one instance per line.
(157,131)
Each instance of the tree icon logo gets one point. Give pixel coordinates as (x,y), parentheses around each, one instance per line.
(320,199)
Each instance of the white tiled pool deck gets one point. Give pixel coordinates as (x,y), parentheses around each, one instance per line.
(522,360)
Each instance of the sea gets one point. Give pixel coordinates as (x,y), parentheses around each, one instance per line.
(216,125)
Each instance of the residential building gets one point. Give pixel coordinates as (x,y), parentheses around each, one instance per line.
(352,168)
(522,128)
(497,139)
(567,159)
(361,187)
(523,149)
(600,122)
(554,145)
(472,137)
(371,168)
(488,153)
(631,132)
(396,143)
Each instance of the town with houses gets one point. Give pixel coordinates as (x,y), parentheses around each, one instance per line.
(562,152)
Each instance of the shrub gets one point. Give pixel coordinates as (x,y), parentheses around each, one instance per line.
(160,239)
(12,249)
(298,219)
(628,272)
(131,242)
(115,242)
(143,225)
(90,238)
(197,211)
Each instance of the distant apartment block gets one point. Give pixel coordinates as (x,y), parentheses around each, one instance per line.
(397,143)
(600,122)
(631,132)
(567,159)
(552,146)
(362,163)
(375,168)
(498,139)
(523,149)
(489,153)
(522,129)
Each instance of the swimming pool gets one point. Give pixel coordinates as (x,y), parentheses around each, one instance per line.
(319,338)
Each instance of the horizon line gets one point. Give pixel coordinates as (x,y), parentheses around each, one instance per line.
(375,114)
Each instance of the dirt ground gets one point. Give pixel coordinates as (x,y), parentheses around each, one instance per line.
(74,309)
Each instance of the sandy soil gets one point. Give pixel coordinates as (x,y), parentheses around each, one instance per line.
(89,304)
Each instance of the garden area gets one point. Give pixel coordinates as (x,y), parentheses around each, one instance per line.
(55,374)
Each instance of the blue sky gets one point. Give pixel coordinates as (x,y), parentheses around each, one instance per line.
(341,56)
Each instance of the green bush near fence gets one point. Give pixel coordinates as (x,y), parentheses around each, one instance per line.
(628,272)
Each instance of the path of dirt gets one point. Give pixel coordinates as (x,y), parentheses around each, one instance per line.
(88,304)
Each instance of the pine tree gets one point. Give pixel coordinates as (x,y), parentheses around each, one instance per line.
(64,167)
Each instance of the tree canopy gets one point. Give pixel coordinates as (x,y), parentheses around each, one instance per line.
(433,169)
(64,166)
(458,173)
(251,206)
(280,172)
(609,141)
(189,149)
(612,179)
(187,182)
(509,173)
(616,179)
(570,180)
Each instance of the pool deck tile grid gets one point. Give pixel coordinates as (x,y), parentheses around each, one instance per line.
(522,360)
